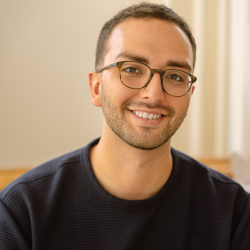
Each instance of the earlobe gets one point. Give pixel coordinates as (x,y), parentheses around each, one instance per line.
(95,88)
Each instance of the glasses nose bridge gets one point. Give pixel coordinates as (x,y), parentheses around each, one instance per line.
(152,71)
(161,72)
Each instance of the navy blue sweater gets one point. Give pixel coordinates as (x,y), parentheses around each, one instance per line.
(61,205)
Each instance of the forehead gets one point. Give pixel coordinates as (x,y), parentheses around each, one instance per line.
(157,40)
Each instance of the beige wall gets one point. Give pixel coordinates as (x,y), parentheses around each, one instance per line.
(46,51)
(205,131)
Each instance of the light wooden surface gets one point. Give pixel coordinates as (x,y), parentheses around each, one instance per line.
(7,176)
(221,165)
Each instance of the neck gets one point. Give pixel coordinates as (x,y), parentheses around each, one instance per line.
(130,173)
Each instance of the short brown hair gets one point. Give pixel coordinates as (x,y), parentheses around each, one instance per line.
(140,11)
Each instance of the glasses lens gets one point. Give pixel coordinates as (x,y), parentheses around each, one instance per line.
(134,75)
(176,82)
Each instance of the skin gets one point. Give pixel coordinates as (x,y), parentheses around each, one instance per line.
(133,159)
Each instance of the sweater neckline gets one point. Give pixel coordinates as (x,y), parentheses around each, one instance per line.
(166,190)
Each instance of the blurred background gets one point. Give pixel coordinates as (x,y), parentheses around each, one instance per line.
(47,48)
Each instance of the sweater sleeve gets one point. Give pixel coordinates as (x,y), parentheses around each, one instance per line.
(11,235)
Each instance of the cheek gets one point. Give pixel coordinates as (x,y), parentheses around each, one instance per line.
(115,90)
(180,104)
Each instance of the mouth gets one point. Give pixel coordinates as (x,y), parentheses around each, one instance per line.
(146,115)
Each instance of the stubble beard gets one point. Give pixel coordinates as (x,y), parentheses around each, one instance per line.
(146,140)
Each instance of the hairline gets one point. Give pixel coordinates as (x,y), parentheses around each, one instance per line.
(107,48)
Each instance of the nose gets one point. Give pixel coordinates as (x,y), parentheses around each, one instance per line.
(153,92)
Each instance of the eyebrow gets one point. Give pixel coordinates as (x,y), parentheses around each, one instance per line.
(141,59)
(179,64)
(133,57)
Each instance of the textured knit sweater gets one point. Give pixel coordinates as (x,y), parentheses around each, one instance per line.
(61,205)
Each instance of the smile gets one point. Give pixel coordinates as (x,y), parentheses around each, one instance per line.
(146,115)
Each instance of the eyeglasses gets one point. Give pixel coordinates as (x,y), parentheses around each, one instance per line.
(137,75)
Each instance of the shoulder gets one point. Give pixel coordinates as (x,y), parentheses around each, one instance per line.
(208,180)
(43,195)
(37,193)
(189,164)
(214,192)
(50,180)
(44,173)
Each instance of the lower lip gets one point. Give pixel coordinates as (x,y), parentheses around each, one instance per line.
(147,122)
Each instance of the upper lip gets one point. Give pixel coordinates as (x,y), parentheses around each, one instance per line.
(149,111)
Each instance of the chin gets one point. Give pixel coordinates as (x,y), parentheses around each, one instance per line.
(144,144)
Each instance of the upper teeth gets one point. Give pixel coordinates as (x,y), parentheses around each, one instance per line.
(147,115)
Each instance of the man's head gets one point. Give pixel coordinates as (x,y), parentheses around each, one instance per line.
(140,11)
(144,118)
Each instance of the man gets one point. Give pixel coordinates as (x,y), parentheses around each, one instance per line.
(130,189)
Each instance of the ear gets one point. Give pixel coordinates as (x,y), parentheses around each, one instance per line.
(95,88)
(192,90)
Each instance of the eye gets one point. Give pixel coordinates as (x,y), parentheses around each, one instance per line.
(175,77)
(131,70)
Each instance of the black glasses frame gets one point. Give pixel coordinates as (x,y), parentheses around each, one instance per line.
(161,72)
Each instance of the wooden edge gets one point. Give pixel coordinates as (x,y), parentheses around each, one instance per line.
(7,176)
(222,165)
